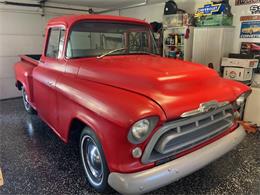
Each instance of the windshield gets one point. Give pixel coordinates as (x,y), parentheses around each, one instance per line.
(88,39)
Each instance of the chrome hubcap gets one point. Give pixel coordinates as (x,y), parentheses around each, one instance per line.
(92,160)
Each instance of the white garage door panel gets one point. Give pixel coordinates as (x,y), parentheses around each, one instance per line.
(21,32)
(8,89)
(17,23)
(6,66)
(17,45)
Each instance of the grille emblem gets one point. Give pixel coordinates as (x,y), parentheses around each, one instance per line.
(205,107)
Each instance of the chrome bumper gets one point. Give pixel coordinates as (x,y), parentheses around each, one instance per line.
(151,179)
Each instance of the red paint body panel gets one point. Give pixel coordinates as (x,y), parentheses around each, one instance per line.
(112,93)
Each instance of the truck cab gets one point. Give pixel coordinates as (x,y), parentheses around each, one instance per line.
(143,121)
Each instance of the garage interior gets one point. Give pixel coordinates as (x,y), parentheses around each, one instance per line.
(33,160)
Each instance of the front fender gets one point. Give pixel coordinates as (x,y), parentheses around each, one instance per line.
(110,112)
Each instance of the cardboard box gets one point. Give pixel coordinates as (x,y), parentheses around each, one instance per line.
(244,63)
(238,74)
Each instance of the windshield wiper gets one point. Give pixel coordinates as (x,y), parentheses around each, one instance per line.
(112,51)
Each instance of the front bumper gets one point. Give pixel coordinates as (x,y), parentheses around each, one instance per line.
(151,179)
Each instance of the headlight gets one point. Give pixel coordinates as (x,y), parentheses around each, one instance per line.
(241,100)
(141,130)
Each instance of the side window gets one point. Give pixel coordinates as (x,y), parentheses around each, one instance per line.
(55,43)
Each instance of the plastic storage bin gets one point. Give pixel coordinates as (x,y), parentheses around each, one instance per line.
(173,20)
(214,20)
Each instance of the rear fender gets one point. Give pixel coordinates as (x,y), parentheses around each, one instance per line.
(23,73)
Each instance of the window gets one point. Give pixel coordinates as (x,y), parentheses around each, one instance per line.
(55,43)
(96,38)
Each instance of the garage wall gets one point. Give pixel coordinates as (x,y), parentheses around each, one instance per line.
(114,13)
(238,11)
(154,12)
(21,32)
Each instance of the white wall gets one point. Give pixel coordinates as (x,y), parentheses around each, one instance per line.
(21,32)
(239,11)
(154,12)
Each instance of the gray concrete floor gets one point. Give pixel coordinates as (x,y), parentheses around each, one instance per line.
(34,161)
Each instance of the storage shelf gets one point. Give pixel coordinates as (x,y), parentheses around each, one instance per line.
(174,45)
(174,27)
(183,45)
(214,27)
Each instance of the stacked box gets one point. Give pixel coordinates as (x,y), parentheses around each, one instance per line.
(239,69)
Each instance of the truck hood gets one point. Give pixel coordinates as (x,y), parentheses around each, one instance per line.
(176,86)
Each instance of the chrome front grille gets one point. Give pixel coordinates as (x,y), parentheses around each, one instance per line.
(180,135)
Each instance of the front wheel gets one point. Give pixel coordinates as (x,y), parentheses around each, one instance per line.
(26,103)
(93,160)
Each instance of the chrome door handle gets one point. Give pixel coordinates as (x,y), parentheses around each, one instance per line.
(50,83)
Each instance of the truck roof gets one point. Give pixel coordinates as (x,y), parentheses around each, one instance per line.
(71,19)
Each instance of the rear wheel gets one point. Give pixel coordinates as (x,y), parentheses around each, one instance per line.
(26,103)
(93,160)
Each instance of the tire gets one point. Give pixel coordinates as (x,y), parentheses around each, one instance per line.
(26,103)
(93,160)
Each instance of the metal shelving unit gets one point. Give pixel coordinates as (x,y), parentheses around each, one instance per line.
(184,45)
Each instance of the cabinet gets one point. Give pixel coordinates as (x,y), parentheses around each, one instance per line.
(180,48)
(210,44)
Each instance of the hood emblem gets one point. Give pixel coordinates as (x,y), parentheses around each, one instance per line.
(205,107)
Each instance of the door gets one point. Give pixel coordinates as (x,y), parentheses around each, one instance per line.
(51,67)
(214,46)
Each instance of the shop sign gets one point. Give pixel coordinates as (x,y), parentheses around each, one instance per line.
(250,29)
(255,9)
(250,48)
(244,2)
(210,8)
(246,18)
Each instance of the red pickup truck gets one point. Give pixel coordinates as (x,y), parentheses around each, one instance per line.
(144,121)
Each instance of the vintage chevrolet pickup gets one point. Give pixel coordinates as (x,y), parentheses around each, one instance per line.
(143,121)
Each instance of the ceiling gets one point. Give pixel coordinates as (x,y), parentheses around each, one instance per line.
(105,4)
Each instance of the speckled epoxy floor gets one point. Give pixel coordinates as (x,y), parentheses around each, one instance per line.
(34,161)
